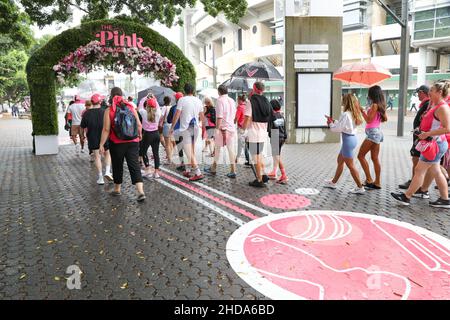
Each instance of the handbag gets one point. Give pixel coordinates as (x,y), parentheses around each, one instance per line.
(428,149)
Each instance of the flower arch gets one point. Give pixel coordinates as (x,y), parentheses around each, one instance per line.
(120,59)
(169,64)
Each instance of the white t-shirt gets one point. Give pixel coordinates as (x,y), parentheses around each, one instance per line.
(190,107)
(76,110)
(345,124)
(257,131)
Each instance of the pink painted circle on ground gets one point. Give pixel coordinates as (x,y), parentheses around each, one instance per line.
(285,201)
(332,255)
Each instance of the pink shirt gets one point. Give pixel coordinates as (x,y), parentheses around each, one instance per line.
(257,131)
(376,122)
(226,110)
(147,125)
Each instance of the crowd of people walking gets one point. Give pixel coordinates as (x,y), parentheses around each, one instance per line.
(118,130)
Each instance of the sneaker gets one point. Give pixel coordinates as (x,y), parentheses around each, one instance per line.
(265,178)
(77,149)
(401,198)
(82,151)
(100,181)
(187,174)
(181,168)
(210,172)
(108,176)
(358,190)
(283,180)
(115,193)
(330,184)
(421,194)
(140,197)
(231,175)
(371,186)
(247,164)
(405,185)
(196,177)
(257,184)
(440,203)
(156,175)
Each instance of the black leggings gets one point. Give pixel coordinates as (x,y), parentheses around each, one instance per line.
(130,152)
(150,138)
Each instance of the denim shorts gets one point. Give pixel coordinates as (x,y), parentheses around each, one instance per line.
(443,147)
(375,135)
(349,143)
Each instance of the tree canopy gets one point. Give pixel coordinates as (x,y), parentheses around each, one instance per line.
(13,82)
(45,12)
(15,32)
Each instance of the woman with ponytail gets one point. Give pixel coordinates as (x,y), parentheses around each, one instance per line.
(432,146)
(151,116)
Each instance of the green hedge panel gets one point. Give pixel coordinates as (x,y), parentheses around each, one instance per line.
(41,77)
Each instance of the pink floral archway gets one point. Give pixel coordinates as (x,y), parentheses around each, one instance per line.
(126,60)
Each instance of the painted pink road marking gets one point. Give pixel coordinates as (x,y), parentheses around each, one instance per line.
(340,255)
(207,195)
(285,201)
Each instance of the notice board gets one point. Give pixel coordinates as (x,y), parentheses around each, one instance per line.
(314,99)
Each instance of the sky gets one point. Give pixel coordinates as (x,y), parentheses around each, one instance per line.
(173,34)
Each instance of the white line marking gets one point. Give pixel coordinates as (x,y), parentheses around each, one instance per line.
(300,236)
(223,194)
(203,202)
(437,264)
(321,289)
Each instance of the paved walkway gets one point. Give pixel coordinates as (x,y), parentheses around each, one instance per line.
(173,246)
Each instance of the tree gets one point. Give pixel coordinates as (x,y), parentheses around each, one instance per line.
(45,12)
(13,80)
(15,32)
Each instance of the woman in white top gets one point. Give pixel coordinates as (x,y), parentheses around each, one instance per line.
(349,120)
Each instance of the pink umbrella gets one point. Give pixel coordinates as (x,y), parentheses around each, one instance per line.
(366,74)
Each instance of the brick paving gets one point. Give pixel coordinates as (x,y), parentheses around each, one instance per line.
(52,215)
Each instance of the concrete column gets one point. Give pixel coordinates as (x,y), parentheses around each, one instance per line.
(422,68)
(312,30)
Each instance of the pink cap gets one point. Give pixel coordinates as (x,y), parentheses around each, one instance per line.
(96,98)
(178,95)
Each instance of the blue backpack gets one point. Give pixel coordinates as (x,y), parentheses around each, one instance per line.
(125,124)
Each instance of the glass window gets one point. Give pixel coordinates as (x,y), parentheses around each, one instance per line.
(442,32)
(424,25)
(424,15)
(240,39)
(443,12)
(443,23)
(419,35)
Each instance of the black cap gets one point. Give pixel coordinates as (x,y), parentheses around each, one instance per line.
(423,88)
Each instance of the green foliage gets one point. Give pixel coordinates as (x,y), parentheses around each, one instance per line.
(15,32)
(13,85)
(44,12)
(41,77)
(39,43)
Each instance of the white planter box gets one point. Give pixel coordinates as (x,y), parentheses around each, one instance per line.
(46,145)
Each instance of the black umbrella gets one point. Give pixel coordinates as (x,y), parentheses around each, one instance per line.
(237,84)
(257,70)
(159,93)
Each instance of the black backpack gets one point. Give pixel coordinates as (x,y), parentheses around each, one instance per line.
(125,124)
(261,108)
(278,123)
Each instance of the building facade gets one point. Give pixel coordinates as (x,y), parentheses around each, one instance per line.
(216,44)
(370,35)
